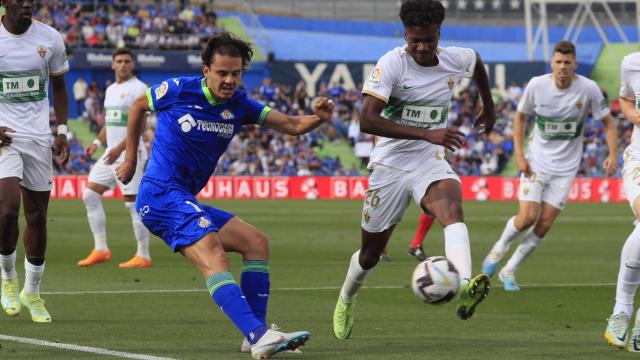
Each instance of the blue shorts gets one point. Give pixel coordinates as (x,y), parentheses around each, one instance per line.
(173,214)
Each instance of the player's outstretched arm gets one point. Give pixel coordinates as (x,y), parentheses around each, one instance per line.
(302,124)
(610,164)
(519,126)
(126,170)
(61,109)
(372,123)
(487,116)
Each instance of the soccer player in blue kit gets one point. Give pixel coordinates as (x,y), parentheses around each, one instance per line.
(197,118)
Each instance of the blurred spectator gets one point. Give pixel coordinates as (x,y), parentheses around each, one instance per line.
(80,89)
(514,91)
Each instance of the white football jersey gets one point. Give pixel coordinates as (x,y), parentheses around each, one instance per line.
(26,63)
(416,96)
(630,89)
(555,145)
(117,100)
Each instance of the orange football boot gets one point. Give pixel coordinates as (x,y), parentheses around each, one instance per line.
(96,257)
(135,262)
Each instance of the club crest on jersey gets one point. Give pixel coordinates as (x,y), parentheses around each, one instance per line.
(367,216)
(374,78)
(42,51)
(227,115)
(162,90)
(204,222)
(579,104)
(450,82)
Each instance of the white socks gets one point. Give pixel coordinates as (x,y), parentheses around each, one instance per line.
(140,231)
(528,244)
(457,249)
(8,266)
(500,248)
(355,278)
(32,277)
(629,273)
(97,219)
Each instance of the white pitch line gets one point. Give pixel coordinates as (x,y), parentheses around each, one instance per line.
(319,288)
(81,348)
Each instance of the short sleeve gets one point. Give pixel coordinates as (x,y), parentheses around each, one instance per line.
(599,105)
(255,112)
(163,95)
(527,101)
(59,62)
(382,78)
(466,58)
(626,90)
(141,88)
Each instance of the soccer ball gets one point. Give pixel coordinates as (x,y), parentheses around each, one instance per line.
(435,280)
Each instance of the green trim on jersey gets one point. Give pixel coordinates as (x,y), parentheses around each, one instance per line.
(421,113)
(116,116)
(22,86)
(207,92)
(263,115)
(150,100)
(557,128)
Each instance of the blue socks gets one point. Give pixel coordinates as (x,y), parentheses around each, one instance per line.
(255,286)
(227,294)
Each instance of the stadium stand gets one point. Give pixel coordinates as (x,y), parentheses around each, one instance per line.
(258,151)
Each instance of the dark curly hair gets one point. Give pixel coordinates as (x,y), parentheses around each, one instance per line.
(421,13)
(226,44)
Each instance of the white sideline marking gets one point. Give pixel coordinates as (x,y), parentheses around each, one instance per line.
(81,348)
(319,288)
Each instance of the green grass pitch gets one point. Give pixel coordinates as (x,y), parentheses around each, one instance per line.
(568,289)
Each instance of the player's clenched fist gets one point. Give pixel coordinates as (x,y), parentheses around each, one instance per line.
(323,108)
(5,139)
(125,171)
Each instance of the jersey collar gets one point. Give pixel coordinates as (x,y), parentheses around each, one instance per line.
(207,92)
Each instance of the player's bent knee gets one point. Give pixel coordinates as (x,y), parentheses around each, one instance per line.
(9,214)
(260,244)
(451,215)
(368,259)
(91,198)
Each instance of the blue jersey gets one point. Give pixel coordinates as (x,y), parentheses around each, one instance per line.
(194,130)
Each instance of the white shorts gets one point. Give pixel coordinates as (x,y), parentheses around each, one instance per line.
(631,177)
(391,190)
(541,187)
(29,160)
(105,175)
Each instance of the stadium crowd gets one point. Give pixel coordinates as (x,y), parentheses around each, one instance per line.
(134,24)
(258,151)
